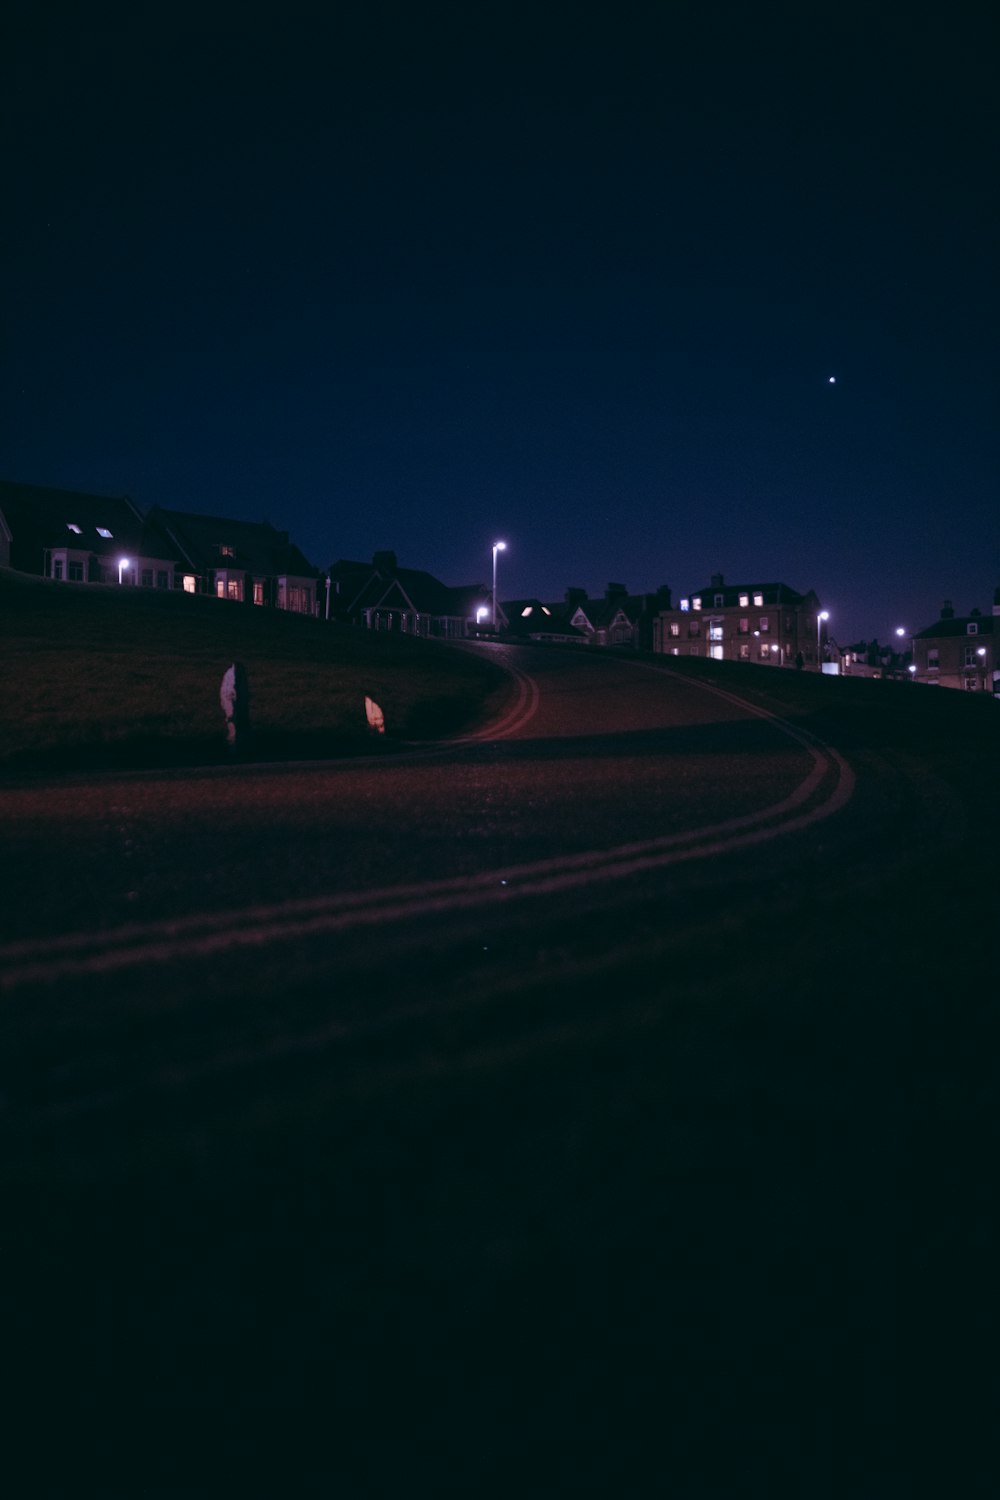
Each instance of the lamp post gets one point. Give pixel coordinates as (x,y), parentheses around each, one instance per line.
(497,547)
(981,653)
(823,614)
(123,563)
(901,633)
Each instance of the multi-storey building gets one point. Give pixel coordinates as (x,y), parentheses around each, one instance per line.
(767,623)
(960,651)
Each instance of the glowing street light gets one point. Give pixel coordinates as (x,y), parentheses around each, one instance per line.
(824,614)
(497,547)
(123,563)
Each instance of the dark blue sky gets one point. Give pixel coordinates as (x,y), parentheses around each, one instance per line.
(423,279)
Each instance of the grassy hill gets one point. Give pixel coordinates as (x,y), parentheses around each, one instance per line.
(105,676)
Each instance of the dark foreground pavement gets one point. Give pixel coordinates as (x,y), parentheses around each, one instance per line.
(683,1185)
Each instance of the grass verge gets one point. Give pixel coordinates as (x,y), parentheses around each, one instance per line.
(98,676)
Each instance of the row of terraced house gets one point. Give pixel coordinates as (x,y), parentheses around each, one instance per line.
(73,537)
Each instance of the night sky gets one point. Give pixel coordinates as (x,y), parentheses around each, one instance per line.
(425,277)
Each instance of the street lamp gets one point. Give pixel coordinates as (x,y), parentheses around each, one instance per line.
(122,565)
(824,614)
(497,547)
(981,653)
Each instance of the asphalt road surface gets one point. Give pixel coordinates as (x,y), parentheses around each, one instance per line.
(579,1105)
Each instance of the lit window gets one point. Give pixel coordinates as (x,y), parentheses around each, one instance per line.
(715,627)
(220,588)
(685,604)
(675,651)
(103,531)
(744,601)
(72,526)
(744,626)
(258,592)
(546,610)
(189,583)
(675,629)
(744,650)
(696,602)
(526,611)
(226,549)
(765,622)
(758,600)
(235,588)
(765,651)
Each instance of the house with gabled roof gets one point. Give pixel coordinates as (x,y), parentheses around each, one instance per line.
(246,561)
(533,620)
(767,623)
(960,651)
(619,618)
(381,595)
(74,537)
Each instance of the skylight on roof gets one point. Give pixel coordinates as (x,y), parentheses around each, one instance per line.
(103,531)
(72,526)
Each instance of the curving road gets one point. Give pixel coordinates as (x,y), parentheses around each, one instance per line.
(540,1083)
(596,772)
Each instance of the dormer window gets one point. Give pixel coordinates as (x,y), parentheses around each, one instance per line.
(696,602)
(744,601)
(72,526)
(685,604)
(758,600)
(103,531)
(972,628)
(719,601)
(226,549)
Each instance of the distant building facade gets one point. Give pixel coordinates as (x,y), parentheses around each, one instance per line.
(960,651)
(767,623)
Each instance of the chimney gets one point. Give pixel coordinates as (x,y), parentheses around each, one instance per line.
(386,563)
(576,596)
(947,610)
(616,591)
(718,581)
(663,595)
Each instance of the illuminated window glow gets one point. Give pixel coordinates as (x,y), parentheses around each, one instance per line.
(526,611)
(696,602)
(189,583)
(685,604)
(758,600)
(744,601)
(103,531)
(72,526)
